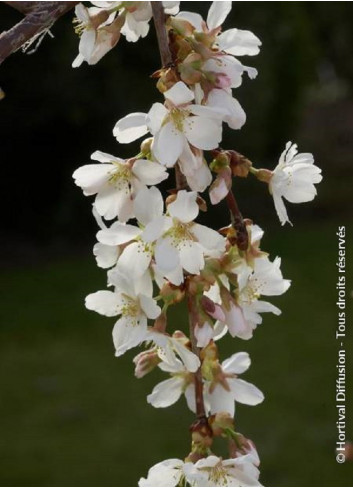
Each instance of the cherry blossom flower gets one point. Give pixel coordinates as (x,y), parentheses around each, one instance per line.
(173,126)
(100,27)
(106,256)
(212,471)
(184,244)
(116,182)
(234,41)
(172,349)
(222,387)
(169,391)
(133,302)
(265,279)
(99,32)
(226,388)
(293,178)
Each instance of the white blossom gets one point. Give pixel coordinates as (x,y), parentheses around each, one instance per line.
(293,178)
(211,471)
(116,182)
(173,126)
(133,302)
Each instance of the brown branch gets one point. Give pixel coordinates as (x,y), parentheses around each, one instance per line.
(41,16)
(237,221)
(159,19)
(200,405)
(23,7)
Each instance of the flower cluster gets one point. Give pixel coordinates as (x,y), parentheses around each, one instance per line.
(157,255)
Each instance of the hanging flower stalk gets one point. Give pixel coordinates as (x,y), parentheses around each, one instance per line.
(154,243)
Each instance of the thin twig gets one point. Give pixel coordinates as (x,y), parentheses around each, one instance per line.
(237,221)
(200,405)
(41,17)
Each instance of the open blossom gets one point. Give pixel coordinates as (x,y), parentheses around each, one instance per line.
(234,41)
(133,302)
(100,26)
(173,349)
(184,243)
(265,279)
(116,182)
(172,240)
(99,32)
(222,387)
(293,178)
(211,471)
(226,388)
(173,125)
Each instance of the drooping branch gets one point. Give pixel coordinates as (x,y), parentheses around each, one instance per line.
(40,16)
(159,19)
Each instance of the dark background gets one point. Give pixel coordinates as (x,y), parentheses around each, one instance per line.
(72,414)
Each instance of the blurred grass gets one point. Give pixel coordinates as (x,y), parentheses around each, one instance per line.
(72,414)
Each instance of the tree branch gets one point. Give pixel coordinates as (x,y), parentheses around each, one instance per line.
(159,19)
(40,16)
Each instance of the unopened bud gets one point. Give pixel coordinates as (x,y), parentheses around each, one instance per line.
(145,362)
(146,146)
(221,186)
(220,422)
(211,308)
(239,164)
(201,434)
(172,294)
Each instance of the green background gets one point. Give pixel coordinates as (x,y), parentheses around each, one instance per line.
(71,413)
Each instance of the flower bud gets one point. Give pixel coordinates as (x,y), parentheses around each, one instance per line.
(221,186)
(239,165)
(220,422)
(145,362)
(172,294)
(146,146)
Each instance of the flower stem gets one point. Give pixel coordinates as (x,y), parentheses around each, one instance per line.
(200,405)
(237,222)
(159,19)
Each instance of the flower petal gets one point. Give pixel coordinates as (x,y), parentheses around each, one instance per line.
(118,234)
(179,94)
(149,172)
(128,333)
(148,205)
(106,256)
(184,207)
(239,42)
(104,302)
(245,392)
(149,306)
(168,144)
(130,127)
(203,133)
(166,393)
(135,259)
(218,13)
(237,363)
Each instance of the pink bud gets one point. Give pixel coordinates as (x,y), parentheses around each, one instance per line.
(145,362)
